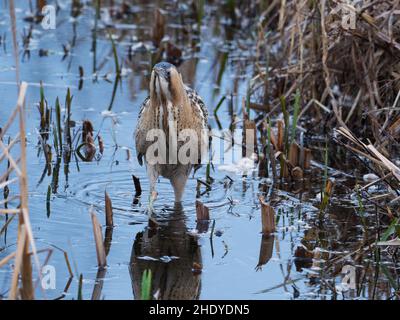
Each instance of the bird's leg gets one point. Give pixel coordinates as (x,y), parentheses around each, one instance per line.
(153,176)
(178,183)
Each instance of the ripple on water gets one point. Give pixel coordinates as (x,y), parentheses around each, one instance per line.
(120,187)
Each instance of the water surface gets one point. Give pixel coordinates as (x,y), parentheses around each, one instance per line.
(237,261)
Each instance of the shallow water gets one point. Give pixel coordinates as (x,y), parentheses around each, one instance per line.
(237,261)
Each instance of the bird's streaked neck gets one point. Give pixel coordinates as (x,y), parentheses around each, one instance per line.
(162,89)
(164,92)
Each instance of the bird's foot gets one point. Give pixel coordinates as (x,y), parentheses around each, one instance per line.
(150,210)
(152,198)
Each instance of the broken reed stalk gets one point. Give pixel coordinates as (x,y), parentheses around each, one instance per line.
(202,212)
(98,238)
(266,250)
(25,241)
(14,38)
(138,188)
(294,153)
(293,158)
(109,210)
(25,236)
(279,143)
(19,261)
(249,143)
(267,217)
(159,27)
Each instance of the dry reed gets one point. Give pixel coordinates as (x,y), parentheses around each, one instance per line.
(25,241)
(98,238)
(350,71)
(267,217)
(109,210)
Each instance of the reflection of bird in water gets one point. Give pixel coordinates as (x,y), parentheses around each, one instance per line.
(171,107)
(170,253)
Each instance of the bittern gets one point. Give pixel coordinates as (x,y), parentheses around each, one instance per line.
(171,108)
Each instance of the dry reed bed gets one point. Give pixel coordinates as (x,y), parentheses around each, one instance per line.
(17,167)
(345,61)
(346,76)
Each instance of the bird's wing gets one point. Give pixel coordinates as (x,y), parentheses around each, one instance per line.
(144,105)
(198,103)
(140,133)
(199,106)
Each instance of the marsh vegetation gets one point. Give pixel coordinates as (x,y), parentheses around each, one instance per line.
(319,195)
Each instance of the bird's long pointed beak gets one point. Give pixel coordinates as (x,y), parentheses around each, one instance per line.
(159,72)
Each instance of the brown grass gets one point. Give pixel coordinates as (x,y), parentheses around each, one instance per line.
(379,164)
(98,238)
(23,266)
(347,75)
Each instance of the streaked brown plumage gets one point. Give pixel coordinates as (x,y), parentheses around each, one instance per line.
(170,102)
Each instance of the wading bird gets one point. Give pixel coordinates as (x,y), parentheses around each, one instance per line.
(171,108)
